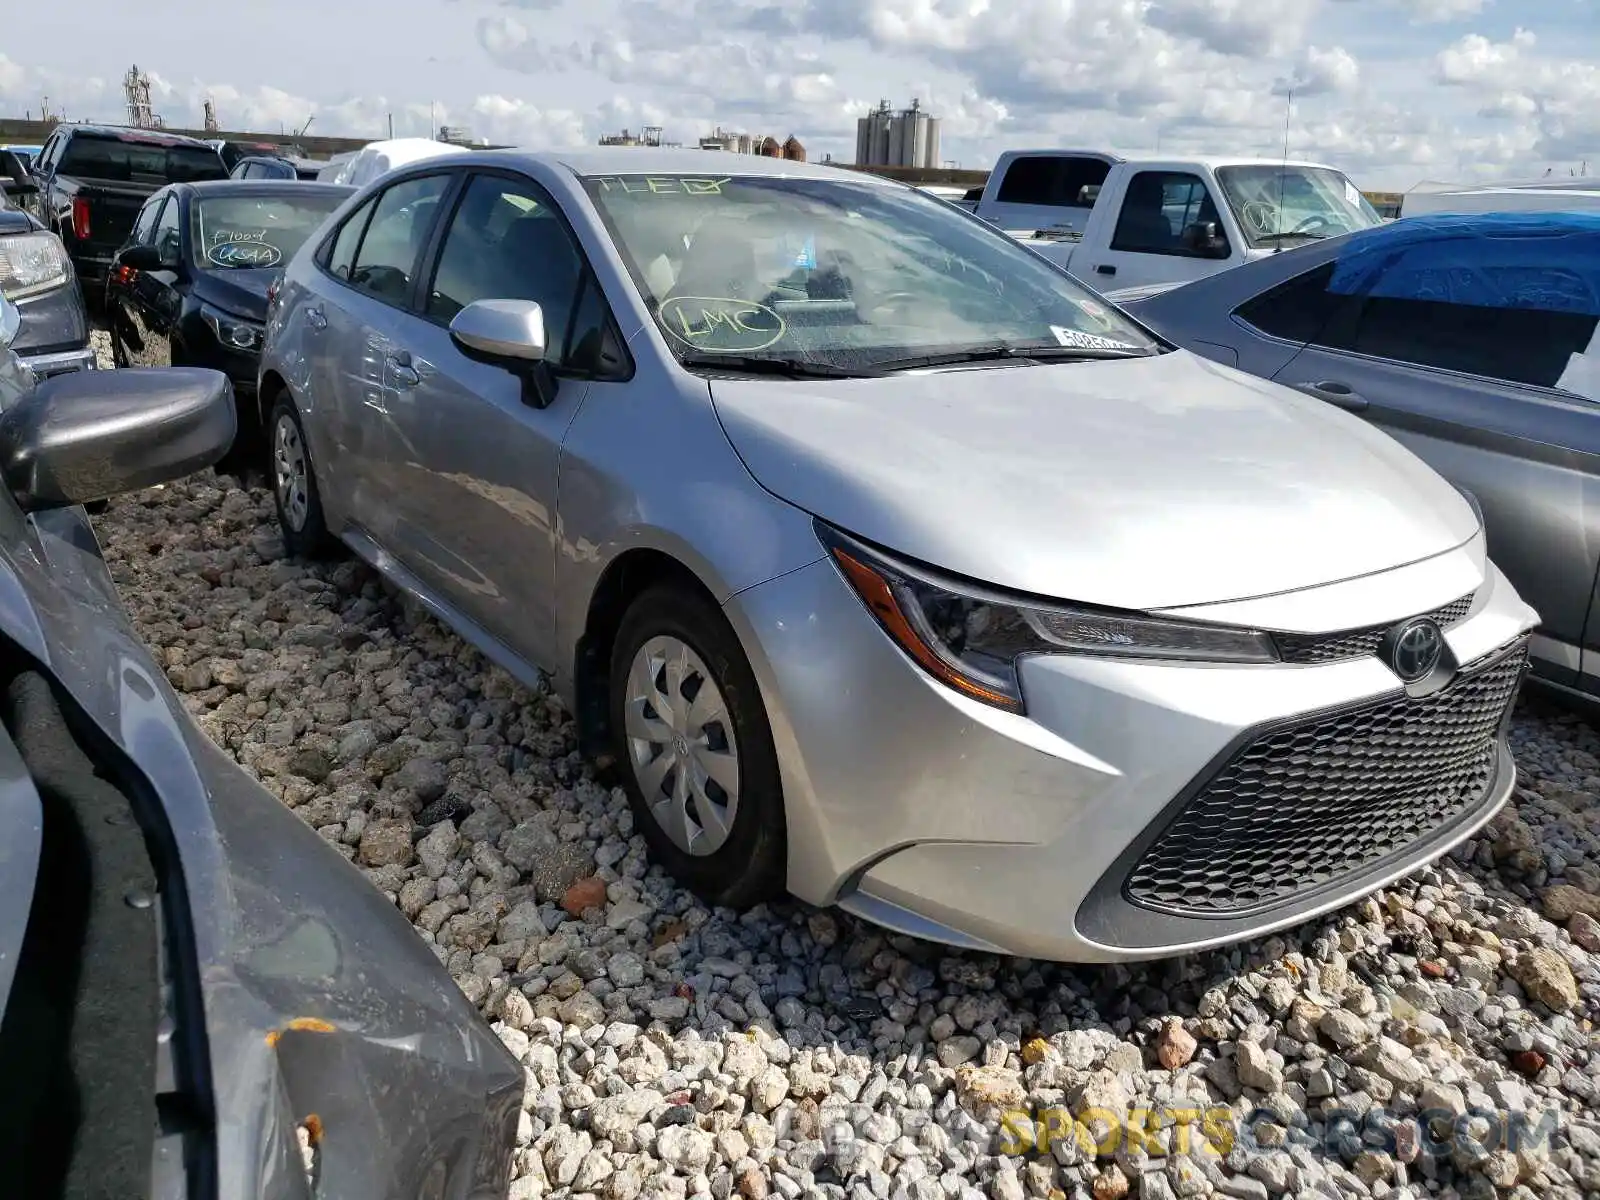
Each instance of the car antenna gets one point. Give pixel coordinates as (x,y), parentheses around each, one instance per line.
(1283,170)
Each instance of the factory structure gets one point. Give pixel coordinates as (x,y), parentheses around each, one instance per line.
(908,138)
(718,139)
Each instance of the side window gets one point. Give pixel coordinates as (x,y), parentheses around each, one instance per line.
(505,242)
(1297,310)
(144,227)
(341,255)
(169,238)
(1055,180)
(47,156)
(1157,208)
(394,239)
(1519,322)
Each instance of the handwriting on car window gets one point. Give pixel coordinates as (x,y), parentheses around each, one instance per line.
(244,254)
(661,185)
(721,324)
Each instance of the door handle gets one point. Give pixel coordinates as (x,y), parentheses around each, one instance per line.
(1105,269)
(405,375)
(316,319)
(1334,392)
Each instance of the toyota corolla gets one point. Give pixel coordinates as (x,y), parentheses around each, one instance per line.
(882,562)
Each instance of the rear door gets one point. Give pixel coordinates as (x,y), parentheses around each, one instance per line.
(475,465)
(1467,362)
(369,272)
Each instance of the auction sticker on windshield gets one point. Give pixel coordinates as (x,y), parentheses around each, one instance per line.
(1086,341)
(720,324)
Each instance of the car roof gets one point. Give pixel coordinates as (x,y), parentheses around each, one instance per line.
(129,133)
(646,160)
(262,187)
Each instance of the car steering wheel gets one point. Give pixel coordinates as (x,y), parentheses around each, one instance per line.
(892,300)
(1318,220)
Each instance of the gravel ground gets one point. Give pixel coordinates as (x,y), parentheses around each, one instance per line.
(1437,1039)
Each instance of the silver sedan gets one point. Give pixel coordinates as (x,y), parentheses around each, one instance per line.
(882,562)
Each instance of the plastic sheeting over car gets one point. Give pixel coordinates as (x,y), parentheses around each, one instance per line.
(371,161)
(1547,262)
(1538,262)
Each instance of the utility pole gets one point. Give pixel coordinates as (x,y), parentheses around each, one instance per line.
(391,127)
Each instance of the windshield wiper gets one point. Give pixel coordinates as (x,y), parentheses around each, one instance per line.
(1278,237)
(789,368)
(997,352)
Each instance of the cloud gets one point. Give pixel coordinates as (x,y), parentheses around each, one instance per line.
(1321,72)
(1391,90)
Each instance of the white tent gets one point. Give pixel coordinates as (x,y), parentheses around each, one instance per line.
(371,161)
(1580,194)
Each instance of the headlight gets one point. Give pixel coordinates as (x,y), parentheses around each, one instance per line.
(31,263)
(234,332)
(973,640)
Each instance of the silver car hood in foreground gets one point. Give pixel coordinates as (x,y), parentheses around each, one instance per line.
(1156,483)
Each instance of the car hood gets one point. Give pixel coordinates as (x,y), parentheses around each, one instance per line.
(1160,482)
(241,291)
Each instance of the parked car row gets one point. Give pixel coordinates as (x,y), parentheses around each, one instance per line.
(189,287)
(1114,632)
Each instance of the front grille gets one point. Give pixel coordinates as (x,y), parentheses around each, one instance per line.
(1311,648)
(1306,805)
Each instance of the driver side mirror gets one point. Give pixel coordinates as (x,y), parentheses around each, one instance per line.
(90,435)
(144,258)
(1205,240)
(509,334)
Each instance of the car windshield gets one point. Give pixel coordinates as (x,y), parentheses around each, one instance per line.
(234,232)
(130,160)
(1275,204)
(836,274)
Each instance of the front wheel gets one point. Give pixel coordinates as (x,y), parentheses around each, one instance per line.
(691,736)
(294,487)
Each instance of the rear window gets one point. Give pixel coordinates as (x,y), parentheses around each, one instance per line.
(90,156)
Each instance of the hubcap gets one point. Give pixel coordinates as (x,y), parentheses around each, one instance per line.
(289,473)
(680,740)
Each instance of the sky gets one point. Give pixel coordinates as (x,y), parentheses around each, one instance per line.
(1394,92)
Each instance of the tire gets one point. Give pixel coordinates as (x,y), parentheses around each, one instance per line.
(295,495)
(748,865)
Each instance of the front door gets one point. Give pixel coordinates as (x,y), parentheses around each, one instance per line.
(151,300)
(1466,377)
(475,463)
(1147,242)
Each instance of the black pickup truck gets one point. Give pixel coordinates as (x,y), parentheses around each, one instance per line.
(93,179)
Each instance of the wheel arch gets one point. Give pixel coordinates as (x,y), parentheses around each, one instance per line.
(624,578)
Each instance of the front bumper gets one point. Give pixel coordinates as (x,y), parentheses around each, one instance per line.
(937,816)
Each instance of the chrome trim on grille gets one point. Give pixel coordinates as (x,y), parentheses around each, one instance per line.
(1318,648)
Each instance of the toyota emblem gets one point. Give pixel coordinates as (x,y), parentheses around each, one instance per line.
(1413,649)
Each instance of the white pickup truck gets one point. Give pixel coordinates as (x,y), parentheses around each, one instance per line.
(1120,223)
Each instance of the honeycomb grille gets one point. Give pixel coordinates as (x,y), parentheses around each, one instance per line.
(1315,648)
(1303,806)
